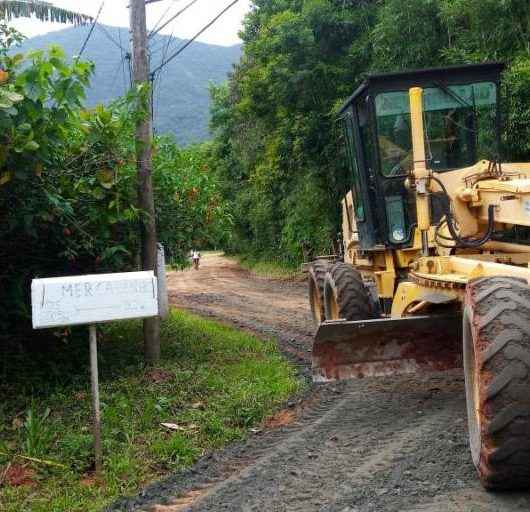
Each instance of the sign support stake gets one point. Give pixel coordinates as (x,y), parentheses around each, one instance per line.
(95,396)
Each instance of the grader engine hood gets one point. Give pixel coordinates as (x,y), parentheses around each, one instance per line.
(511,199)
(474,189)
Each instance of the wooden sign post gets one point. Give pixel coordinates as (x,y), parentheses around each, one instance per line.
(92,299)
(96,409)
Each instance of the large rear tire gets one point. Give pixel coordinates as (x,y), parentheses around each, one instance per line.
(317,279)
(345,295)
(496,332)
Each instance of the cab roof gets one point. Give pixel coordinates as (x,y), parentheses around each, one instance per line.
(427,77)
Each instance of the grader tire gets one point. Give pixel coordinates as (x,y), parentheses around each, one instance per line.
(317,279)
(496,326)
(345,295)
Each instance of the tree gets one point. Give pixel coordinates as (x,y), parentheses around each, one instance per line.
(277,135)
(44,11)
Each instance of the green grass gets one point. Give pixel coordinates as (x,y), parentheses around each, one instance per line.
(213,382)
(272,269)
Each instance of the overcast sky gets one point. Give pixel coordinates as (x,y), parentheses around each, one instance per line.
(115,13)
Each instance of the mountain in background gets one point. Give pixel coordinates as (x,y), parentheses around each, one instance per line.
(181,98)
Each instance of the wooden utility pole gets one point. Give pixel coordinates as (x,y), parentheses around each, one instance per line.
(144,165)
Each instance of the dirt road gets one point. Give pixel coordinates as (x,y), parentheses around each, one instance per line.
(384,445)
(223,290)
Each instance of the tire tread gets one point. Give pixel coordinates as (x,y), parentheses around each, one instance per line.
(352,297)
(317,277)
(501,322)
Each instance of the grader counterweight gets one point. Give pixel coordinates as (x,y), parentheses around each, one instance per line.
(436,234)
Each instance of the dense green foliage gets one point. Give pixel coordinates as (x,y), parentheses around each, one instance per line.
(181,91)
(277,141)
(190,210)
(213,383)
(68,180)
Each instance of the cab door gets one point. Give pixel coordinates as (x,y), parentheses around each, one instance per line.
(361,184)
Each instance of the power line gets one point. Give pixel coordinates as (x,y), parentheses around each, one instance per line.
(91,30)
(164,45)
(107,34)
(161,45)
(162,17)
(123,54)
(157,83)
(115,74)
(154,31)
(184,9)
(184,46)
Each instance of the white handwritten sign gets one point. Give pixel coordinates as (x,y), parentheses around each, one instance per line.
(75,300)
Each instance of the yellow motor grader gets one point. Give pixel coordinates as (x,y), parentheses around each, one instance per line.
(435,273)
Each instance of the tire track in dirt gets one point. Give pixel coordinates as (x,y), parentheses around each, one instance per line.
(371,445)
(318,466)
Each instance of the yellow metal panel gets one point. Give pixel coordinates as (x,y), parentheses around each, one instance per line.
(421,175)
(385,282)
(408,294)
(405,258)
(488,268)
(459,270)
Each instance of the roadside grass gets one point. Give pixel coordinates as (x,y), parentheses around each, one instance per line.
(270,268)
(213,383)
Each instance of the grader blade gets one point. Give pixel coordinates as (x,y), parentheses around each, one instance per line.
(349,350)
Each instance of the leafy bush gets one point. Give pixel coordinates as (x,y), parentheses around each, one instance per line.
(190,210)
(68,190)
(66,193)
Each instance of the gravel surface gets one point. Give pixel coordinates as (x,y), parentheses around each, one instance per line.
(392,444)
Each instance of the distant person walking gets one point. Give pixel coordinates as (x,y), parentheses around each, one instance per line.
(195,258)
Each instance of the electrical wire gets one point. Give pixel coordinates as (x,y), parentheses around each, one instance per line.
(156,81)
(161,18)
(157,84)
(174,17)
(115,74)
(107,34)
(91,30)
(155,27)
(123,54)
(188,43)
(156,75)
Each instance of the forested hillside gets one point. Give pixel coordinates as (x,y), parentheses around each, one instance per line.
(181,92)
(278,144)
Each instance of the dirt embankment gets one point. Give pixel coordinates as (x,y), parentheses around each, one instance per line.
(371,445)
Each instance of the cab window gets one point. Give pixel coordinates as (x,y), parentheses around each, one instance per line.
(353,166)
(460,127)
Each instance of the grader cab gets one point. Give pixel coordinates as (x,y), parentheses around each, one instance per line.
(436,234)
